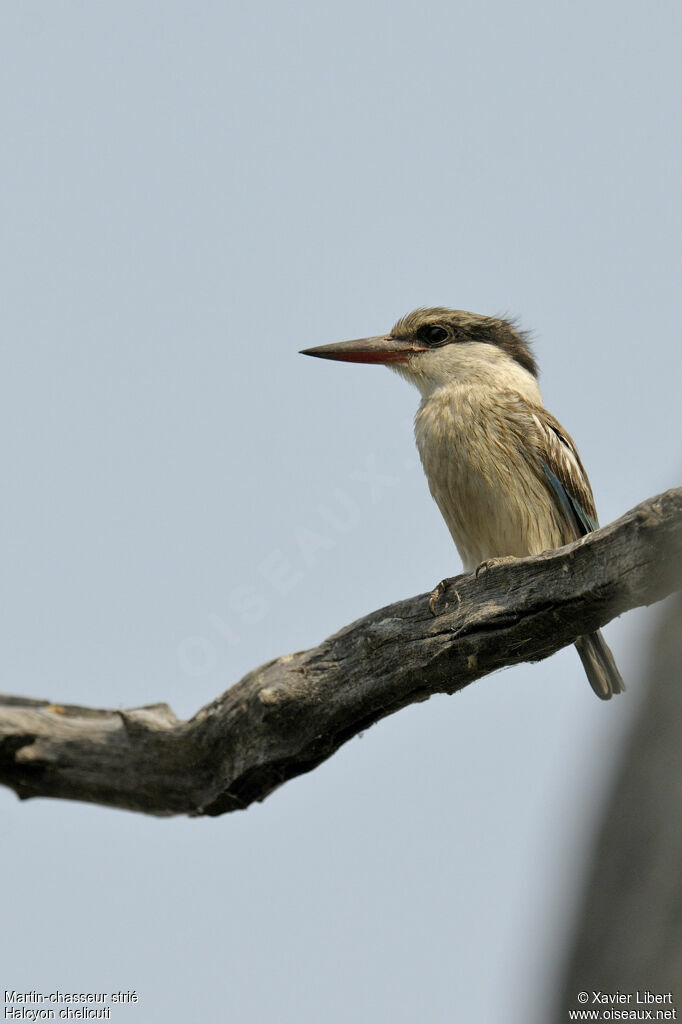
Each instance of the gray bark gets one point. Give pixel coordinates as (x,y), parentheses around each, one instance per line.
(286,717)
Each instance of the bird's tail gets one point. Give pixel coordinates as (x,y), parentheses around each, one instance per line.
(599,664)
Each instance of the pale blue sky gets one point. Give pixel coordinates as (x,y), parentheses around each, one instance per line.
(189,194)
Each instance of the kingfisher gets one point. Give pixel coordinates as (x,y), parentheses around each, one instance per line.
(506,476)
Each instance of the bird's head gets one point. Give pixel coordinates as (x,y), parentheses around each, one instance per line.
(436,346)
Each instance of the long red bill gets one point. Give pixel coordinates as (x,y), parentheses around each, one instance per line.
(382,349)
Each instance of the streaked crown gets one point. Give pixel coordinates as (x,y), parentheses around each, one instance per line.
(437,326)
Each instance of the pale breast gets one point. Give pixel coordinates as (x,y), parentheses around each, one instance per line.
(475,445)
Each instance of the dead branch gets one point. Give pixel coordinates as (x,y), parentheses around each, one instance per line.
(286,717)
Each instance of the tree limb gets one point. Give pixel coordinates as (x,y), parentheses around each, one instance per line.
(286,717)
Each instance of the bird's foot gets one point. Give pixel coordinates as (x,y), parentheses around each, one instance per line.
(492,563)
(438,593)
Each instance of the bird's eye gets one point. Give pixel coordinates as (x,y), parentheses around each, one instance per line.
(432,334)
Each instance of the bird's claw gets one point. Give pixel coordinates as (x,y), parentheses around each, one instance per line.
(438,592)
(492,563)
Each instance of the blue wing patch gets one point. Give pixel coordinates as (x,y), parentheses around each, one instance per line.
(573,511)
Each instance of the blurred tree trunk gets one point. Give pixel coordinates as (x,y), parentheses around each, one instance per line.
(629,933)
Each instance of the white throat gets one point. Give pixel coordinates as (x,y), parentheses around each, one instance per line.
(468,365)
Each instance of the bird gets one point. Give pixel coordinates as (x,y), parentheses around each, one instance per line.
(506,476)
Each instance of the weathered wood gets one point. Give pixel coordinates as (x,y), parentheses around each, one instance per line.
(286,717)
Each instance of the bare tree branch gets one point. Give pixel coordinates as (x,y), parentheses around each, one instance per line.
(286,717)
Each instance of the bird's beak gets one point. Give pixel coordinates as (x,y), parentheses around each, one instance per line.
(382,349)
